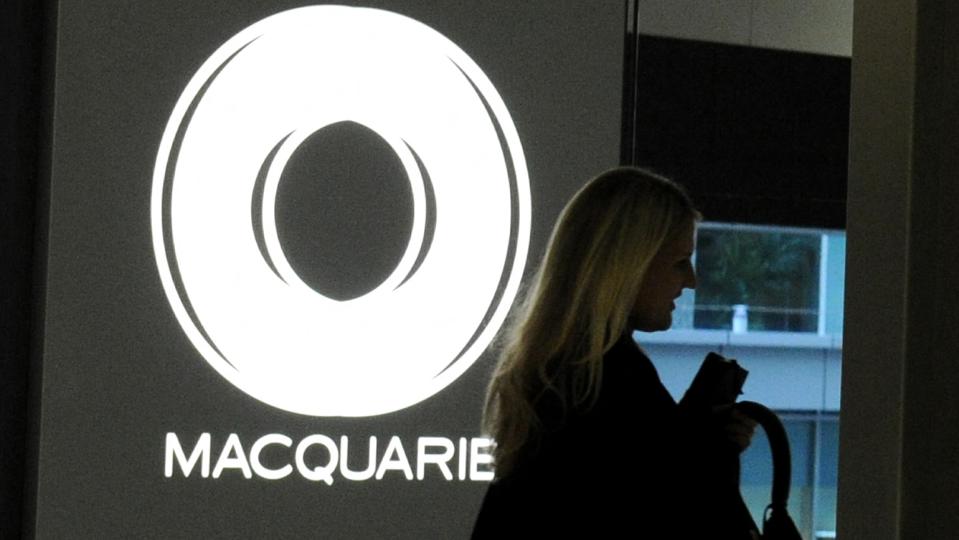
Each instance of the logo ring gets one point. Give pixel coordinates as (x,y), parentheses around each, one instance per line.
(214,186)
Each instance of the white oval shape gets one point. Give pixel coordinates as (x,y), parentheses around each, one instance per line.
(231,288)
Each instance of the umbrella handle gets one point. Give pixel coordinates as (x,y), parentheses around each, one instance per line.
(778,445)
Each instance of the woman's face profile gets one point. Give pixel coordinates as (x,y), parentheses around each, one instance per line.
(670,271)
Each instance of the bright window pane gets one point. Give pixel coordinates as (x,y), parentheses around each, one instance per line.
(773,274)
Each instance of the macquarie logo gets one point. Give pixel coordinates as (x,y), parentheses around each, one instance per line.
(303,102)
(319,458)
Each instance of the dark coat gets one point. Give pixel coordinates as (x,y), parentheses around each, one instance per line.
(635,465)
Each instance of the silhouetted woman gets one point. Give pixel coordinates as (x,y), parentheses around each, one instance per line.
(588,441)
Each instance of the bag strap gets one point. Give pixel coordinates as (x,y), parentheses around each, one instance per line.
(778,445)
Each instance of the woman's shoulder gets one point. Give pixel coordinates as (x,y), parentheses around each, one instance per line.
(630,380)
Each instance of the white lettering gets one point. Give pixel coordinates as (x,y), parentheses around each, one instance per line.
(422,457)
(344,461)
(201,453)
(477,459)
(397,463)
(473,458)
(258,468)
(461,470)
(232,457)
(317,473)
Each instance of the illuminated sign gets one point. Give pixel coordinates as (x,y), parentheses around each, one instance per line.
(239,121)
(471,461)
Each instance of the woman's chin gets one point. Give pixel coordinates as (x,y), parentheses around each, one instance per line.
(654,325)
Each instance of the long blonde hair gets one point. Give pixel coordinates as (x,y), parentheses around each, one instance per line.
(579,302)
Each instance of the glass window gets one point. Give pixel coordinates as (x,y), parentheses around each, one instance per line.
(828,472)
(757,279)
(762,280)
(814,448)
(757,472)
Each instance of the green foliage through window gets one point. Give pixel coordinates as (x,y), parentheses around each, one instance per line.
(775,274)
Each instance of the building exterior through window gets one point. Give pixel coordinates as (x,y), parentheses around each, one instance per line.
(772,298)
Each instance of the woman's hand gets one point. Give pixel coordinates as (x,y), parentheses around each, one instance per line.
(736,426)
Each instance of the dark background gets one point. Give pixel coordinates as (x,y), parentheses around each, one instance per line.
(758,135)
(117,371)
(25,34)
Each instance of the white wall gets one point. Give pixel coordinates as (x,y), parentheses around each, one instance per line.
(899,446)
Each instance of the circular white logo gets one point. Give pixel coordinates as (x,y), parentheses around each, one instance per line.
(213,211)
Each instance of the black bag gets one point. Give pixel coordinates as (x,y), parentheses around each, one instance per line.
(719,381)
(777,525)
